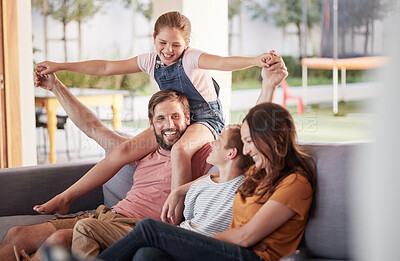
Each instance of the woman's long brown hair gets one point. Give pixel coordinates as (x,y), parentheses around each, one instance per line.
(273,133)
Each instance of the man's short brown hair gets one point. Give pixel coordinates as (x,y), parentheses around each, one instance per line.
(168,95)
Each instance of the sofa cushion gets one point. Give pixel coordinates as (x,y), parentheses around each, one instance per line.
(24,187)
(328,229)
(7,222)
(116,188)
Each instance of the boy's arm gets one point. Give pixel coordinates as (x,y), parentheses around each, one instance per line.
(231,63)
(82,117)
(93,67)
(171,211)
(272,76)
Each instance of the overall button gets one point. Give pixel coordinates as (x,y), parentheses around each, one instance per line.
(212,113)
(157,66)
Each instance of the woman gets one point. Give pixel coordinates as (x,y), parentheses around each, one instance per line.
(270,209)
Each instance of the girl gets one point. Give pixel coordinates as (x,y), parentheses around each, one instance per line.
(174,65)
(270,209)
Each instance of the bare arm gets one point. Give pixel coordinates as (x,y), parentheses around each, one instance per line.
(97,176)
(82,117)
(231,63)
(93,67)
(272,76)
(169,212)
(268,218)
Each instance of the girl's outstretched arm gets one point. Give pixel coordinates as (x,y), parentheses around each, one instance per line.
(232,63)
(93,67)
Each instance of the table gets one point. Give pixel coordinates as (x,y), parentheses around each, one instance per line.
(358,63)
(89,97)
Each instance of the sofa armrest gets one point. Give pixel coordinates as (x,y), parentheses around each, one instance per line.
(22,188)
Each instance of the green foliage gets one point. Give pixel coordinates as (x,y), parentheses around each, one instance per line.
(285,12)
(71,79)
(250,78)
(131,82)
(145,8)
(252,73)
(234,8)
(293,65)
(135,82)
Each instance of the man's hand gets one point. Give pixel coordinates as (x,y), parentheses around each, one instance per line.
(275,72)
(55,205)
(272,75)
(45,81)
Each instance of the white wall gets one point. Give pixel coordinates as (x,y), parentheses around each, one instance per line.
(376,201)
(26,83)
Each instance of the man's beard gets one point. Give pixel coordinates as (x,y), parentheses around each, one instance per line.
(162,142)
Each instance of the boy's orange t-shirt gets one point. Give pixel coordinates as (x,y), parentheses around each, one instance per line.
(294,192)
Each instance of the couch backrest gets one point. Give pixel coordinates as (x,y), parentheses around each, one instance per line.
(327,233)
(328,228)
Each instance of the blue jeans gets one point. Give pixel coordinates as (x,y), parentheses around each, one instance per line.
(174,242)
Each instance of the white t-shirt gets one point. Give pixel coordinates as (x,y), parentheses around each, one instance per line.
(208,205)
(200,79)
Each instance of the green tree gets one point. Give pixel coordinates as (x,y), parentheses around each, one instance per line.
(234,9)
(146,9)
(66,11)
(285,12)
(358,15)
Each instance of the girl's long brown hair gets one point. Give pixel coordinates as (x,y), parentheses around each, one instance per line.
(176,20)
(273,133)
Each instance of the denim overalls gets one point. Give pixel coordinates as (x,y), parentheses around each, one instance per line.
(173,77)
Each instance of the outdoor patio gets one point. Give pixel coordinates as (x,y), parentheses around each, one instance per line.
(318,123)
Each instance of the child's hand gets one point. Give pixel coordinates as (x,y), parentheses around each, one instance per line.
(264,59)
(168,210)
(46,67)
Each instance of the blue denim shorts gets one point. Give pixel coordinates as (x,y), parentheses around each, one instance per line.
(210,115)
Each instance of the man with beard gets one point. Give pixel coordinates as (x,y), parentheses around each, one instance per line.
(169,117)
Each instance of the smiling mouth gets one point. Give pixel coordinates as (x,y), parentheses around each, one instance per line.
(169,133)
(167,55)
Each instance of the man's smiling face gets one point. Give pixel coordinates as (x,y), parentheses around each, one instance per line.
(169,123)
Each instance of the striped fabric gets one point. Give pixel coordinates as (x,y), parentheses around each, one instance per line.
(208,205)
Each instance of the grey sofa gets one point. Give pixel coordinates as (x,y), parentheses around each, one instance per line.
(327,232)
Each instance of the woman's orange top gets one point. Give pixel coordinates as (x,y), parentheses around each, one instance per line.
(294,192)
